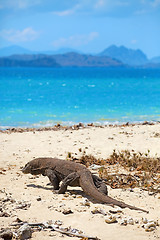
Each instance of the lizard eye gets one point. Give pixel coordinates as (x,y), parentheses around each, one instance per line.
(26,168)
(27,165)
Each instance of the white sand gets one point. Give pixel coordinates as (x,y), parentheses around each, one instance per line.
(16,149)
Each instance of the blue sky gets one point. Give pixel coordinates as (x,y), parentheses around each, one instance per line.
(86,25)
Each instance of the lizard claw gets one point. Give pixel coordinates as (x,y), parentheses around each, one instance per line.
(49,184)
(112,205)
(55,191)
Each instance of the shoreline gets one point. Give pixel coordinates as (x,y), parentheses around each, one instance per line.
(80,125)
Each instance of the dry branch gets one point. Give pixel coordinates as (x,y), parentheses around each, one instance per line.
(66,231)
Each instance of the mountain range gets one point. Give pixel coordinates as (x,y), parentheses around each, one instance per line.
(125,55)
(59,60)
(113,56)
(15,50)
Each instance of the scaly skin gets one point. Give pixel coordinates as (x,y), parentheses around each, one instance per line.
(73,174)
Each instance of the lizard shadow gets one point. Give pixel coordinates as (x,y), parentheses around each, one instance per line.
(71,191)
(74,191)
(38,186)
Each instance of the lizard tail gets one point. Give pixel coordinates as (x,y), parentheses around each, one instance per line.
(87,184)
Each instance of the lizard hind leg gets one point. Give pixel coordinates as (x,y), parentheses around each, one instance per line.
(100,185)
(71,180)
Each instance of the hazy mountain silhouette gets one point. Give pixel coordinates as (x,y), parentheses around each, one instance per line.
(112,56)
(125,55)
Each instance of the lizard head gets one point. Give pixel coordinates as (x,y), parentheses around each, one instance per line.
(33,167)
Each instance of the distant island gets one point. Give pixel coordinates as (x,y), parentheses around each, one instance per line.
(112,56)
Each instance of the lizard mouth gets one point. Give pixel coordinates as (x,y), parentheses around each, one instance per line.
(24,170)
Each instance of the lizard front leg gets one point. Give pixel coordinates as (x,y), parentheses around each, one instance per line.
(70,180)
(52,177)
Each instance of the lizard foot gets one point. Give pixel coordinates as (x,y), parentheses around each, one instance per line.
(55,191)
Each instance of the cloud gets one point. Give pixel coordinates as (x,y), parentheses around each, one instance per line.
(99,4)
(148,6)
(155,3)
(37,5)
(75,40)
(18,4)
(134,41)
(116,8)
(15,36)
(67,12)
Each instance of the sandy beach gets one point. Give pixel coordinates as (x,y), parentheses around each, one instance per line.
(30,199)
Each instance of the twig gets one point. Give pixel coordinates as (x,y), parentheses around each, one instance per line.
(67,232)
(74,234)
(30,224)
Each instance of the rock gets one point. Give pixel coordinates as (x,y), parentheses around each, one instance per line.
(123,222)
(130,221)
(23,205)
(74,195)
(39,199)
(136,221)
(98,210)
(116,210)
(24,232)
(150,226)
(110,219)
(4,214)
(81,125)
(144,220)
(6,234)
(78,196)
(95,167)
(85,202)
(18,220)
(58,222)
(67,211)
(66,195)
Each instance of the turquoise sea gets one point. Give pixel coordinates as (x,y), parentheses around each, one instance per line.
(44,96)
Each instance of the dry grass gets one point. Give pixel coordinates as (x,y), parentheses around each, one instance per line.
(135,161)
(143,169)
(88,160)
(141,179)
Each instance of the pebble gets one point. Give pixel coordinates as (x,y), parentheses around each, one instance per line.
(23,206)
(85,202)
(130,221)
(39,199)
(136,221)
(6,234)
(24,232)
(66,195)
(110,219)
(98,210)
(144,220)
(150,226)
(73,195)
(79,196)
(95,167)
(4,214)
(116,210)
(67,211)
(123,222)
(58,222)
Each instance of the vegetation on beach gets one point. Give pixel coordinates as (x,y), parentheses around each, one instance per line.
(128,159)
(135,161)
(142,170)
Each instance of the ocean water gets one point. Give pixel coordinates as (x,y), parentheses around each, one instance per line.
(44,96)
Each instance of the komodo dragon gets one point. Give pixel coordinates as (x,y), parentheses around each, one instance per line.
(73,174)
